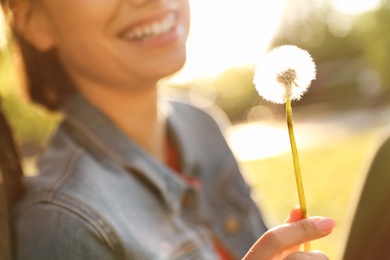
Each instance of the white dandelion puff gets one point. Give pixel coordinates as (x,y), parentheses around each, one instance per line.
(284,72)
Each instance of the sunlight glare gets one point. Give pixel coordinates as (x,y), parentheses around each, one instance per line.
(228,33)
(355,7)
(254,141)
(232,33)
(3,34)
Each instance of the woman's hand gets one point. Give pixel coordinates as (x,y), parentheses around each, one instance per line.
(283,242)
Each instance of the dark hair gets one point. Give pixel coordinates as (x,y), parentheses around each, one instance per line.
(47,83)
(11,187)
(10,168)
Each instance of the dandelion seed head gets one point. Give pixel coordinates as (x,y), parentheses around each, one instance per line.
(284,72)
(286,77)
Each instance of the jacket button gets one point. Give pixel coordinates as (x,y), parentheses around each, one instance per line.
(189,200)
(232,225)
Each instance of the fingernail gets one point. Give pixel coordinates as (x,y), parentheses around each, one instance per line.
(326,224)
(294,208)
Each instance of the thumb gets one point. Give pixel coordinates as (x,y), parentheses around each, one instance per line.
(285,237)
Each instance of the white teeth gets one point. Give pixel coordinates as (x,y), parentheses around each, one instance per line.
(152,29)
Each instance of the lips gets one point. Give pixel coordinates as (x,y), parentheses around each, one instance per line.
(152,29)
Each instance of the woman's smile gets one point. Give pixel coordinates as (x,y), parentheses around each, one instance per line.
(156,32)
(151,29)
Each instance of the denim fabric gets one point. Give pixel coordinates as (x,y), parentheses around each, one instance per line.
(101,196)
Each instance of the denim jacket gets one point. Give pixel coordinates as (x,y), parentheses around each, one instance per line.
(101,196)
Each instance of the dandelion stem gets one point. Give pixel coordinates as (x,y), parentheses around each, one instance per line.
(297,170)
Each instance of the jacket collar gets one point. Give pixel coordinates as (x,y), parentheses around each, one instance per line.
(96,130)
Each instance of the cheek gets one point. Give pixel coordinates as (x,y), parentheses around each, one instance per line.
(85,57)
(73,17)
(79,34)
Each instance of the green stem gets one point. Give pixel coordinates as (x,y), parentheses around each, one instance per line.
(297,170)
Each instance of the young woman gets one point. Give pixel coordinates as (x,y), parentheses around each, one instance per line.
(129,175)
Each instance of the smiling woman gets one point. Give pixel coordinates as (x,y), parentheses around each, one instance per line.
(128,174)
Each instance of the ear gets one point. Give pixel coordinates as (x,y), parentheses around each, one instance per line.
(32,23)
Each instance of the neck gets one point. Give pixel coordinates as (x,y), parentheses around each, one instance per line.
(135,113)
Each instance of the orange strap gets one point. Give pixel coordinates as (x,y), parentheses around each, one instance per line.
(173,161)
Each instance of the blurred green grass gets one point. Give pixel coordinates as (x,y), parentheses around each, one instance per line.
(332,175)
(31,124)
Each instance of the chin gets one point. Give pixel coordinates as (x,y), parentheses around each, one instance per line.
(169,67)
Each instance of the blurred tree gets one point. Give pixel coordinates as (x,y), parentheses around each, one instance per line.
(235,92)
(317,27)
(350,51)
(371,35)
(232,90)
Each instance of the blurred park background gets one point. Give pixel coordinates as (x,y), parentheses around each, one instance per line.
(338,123)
